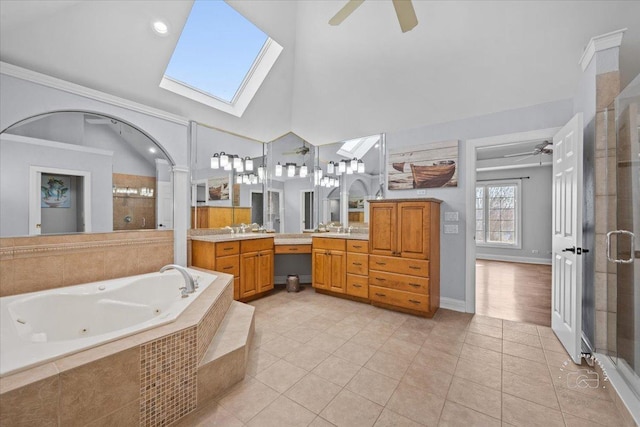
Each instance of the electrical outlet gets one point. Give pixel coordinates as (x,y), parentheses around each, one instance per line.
(451,229)
(421,192)
(451,216)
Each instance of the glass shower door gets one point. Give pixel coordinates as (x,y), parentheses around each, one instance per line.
(625,248)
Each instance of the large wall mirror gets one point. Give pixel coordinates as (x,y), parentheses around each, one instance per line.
(77,171)
(348,175)
(291,204)
(227,179)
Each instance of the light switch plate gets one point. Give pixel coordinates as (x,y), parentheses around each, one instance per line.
(451,216)
(421,192)
(451,229)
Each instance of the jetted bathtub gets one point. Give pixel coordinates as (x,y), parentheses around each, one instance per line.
(38,327)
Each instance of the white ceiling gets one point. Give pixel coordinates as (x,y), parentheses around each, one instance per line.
(464,59)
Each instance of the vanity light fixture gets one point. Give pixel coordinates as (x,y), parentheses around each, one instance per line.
(215,161)
(224,159)
(342,166)
(278,169)
(303,171)
(248,163)
(354,164)
(360,168)
(238,179)
(261,172)
(237,162)
(291,169)
(331,167)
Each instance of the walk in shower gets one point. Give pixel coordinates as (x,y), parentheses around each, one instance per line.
(623,240)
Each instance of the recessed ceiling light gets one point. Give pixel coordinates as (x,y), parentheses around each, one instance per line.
(160,28)
(152,150)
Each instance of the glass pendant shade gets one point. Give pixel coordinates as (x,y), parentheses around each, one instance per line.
(228,166)
(303,171)
(278,169)
(237,163)
(248,163)
(238,179)
(360,166)
(331,167)
(350,170)
(261,172)
(215,161)
(342,166)
(224,159)
(291,170)
(354,164)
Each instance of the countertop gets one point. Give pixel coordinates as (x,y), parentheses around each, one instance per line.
(280,238)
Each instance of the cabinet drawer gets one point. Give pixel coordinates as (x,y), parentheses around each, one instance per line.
(360,246)
(228,264)
(399,298)
(329,243)
(400,282)
(293,249)
(227,248)
(254,245)
(414,267)
(358,263)
(357,286)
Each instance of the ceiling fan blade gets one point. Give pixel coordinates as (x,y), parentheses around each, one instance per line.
(406,14)
(525,158)
(528,153)
(344,13)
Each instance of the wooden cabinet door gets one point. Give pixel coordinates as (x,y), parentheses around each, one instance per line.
(265,270)
(383,223)
(248,272)
(413,230)
(321,269)
(338,274)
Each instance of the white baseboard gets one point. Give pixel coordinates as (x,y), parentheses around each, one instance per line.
(453,304)
(510,258)
(281,280)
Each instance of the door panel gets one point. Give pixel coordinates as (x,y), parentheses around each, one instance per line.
(414,230)
(566,316)
(319,268)
(383,222)
(338,265)
(265,271)
(248,271)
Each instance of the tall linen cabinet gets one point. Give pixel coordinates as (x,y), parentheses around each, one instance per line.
(404,255)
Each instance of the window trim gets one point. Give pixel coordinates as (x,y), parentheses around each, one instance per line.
(254,78)
(518,215)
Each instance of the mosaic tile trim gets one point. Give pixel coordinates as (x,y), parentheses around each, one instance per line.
(209,324)
(70,247)
(168,382)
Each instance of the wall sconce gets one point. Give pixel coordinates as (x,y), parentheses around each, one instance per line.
(331,167)
(342,166)
(224,159)
(215,161)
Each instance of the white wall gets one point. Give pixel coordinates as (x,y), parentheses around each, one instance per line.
(452,246)
(292,200)
(536,216)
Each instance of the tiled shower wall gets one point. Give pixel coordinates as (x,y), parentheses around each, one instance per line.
(29,264)
(134,212)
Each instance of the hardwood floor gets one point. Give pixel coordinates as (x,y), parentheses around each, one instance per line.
(514,291)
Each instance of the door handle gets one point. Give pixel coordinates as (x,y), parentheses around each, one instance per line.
(571,249)
(632,246)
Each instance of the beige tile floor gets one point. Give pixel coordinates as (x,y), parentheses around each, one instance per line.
(318,360)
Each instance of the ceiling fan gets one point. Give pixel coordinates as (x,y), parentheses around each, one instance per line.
(300,151)
(542,148)
(404,10)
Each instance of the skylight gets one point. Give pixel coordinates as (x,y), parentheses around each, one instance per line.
(358,147)
(221,58)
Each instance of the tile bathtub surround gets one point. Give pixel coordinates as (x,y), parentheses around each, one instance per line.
(29,264)
(397,369)
(168,368)
(102,385)
(211,321)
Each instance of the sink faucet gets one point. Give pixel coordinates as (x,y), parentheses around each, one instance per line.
(349,229)
(228,228)
(190,285)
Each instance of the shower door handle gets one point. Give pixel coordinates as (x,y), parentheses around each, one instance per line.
(632,246)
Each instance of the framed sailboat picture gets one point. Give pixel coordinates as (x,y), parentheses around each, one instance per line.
(432,165)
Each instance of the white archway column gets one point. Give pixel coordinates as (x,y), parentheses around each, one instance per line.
(180,214)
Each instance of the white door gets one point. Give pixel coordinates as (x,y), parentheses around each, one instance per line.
(164,198)
(566,270)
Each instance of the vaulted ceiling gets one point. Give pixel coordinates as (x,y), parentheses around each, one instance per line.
(465,58)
